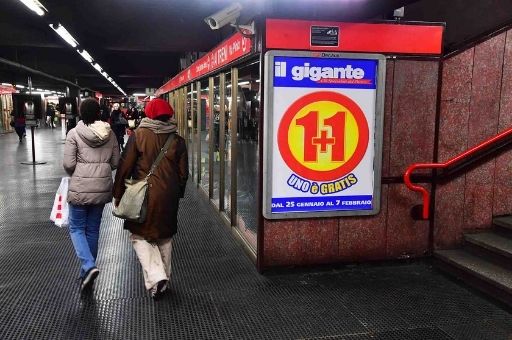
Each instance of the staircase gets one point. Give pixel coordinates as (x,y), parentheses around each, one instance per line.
(485,261)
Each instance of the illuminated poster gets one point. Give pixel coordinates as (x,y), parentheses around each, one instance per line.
(323,134)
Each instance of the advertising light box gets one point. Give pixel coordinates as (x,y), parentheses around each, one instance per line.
(323,134)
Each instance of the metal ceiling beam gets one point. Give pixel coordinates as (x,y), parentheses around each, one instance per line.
(36,72)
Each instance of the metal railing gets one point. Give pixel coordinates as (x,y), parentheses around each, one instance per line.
(456,161)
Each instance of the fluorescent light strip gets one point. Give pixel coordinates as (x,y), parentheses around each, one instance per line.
(85,55)
(35,6)
(64,34)
(6,84)
(40,91)
(97,67)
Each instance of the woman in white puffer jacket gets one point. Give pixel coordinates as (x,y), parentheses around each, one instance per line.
(91,154)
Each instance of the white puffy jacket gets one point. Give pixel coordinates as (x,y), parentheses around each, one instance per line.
(90,154)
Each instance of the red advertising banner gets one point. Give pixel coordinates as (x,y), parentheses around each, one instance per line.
(228,51)
(417,39)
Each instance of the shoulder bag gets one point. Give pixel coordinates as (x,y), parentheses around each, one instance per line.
(133,204)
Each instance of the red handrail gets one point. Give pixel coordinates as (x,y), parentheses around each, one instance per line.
(465,154)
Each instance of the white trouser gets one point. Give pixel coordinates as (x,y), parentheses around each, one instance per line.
(155,259)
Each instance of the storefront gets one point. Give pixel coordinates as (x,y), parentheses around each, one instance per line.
(283,202)
(6,107)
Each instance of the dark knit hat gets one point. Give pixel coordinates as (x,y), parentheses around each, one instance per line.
(158,107)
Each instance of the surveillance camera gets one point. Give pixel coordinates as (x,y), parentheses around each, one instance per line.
(399,12)
(225,16)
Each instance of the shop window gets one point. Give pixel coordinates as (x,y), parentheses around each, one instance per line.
(204,135)
(216,139)
(248,104)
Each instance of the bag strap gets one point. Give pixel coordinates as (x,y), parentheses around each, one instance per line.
(161,154)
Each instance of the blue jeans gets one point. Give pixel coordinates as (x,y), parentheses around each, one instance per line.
(84,229)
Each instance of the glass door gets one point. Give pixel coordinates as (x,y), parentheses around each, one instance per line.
(204,134)
(247,152)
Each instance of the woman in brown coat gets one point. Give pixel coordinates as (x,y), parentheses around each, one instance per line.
(152,240)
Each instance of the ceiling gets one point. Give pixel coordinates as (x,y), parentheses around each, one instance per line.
(139,43)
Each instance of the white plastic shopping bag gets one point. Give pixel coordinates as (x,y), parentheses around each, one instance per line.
(60,209)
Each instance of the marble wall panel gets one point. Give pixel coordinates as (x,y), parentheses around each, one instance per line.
(449,213)
(453,126)
(502,197)
(364,238)
(414,112)
(388,109)
(483,124)
(300,242)
(455,105)
(405,237)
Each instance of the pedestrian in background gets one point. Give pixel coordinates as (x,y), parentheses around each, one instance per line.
(152,239)
(105,113)
(18,123)
(118,123)
(91,154)
(50,115)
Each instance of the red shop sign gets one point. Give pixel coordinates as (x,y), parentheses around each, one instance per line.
(4,89)
(228,51)
(393,38)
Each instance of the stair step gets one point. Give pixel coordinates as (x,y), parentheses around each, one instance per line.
(492,242)
(485,275)
(503,222)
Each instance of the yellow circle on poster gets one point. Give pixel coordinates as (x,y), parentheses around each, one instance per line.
(323,136)
(299,141)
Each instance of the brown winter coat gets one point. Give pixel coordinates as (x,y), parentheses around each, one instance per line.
(166,185)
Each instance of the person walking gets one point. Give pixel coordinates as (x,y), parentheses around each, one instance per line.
(18,123)
(152,239)
(105,113)
(118,123)
(50,116)
(91,154)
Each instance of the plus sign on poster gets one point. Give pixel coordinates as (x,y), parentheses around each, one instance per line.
(323,138)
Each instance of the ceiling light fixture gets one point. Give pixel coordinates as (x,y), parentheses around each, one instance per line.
(64,34)
(6,84)
(35,6)
(20,86)
(97,67)
(85,55)
(139,94)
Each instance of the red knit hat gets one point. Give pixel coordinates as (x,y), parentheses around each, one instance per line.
(158,107)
